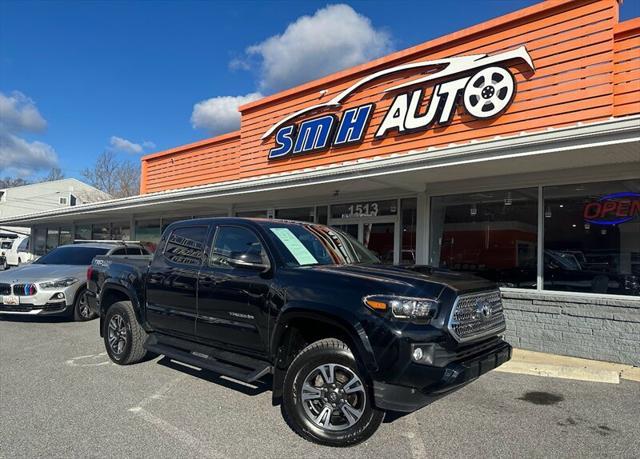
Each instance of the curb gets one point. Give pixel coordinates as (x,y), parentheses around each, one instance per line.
(559,366)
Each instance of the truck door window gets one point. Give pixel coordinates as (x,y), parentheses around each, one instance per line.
(186,245)
(231,242)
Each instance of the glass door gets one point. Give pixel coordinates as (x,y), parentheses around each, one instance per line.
(380,238)
(378,235)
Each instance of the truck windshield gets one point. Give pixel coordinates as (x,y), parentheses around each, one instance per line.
(303,245)
(71,255)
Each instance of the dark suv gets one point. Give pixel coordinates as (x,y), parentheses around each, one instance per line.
(345,337)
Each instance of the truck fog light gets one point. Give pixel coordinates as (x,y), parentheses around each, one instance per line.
(59,296)
(417,354)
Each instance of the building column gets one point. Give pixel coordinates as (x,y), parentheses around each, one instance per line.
(422,229)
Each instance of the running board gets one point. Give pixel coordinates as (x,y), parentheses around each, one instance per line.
(247,375)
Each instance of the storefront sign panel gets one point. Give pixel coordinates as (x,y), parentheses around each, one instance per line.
(486,84)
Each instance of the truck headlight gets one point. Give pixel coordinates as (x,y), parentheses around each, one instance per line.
(403,307)
(59,283)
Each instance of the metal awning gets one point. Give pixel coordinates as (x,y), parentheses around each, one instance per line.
(614,141)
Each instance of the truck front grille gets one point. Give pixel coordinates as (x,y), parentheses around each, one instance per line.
(476,316)
(5,289)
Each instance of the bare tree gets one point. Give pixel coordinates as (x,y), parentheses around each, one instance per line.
(54,174)
(118,178)
(10,182)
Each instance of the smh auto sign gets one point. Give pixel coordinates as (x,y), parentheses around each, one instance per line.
(485,82)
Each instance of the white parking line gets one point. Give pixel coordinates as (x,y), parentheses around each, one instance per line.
(203,449)
(84,360)
(165,389)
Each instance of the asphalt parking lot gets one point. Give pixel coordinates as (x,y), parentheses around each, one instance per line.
(61,397)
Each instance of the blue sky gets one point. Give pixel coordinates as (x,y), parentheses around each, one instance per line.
(81,77)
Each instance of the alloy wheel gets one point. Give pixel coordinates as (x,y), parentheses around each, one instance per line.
(83,306)
(333,397)
(117,334)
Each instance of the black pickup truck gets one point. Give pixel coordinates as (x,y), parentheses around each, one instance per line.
(345,337)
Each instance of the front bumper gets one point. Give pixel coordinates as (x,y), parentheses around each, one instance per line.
(428,383)
(44,302)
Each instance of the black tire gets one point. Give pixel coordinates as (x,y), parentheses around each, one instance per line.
(81,310)
(123,336)
(3,266)
(299,413)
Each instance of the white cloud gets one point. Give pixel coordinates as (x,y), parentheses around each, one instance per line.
(19,113)
(334,38)
(18,156)
(127,146)
(22,157)
(220,114)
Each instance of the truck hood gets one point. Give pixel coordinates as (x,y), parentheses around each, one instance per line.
(415,276)
(35,273)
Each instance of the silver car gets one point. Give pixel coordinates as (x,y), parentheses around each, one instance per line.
(55,284)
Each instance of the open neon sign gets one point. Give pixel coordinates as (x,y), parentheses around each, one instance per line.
(613,209)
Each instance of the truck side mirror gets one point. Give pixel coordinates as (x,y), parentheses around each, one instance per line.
(248,260)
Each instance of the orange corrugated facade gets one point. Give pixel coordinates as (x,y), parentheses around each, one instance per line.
(587,68)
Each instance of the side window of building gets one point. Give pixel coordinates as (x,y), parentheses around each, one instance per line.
(186,245)
(232,242)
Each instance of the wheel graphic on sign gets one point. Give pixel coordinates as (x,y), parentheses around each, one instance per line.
(489,92)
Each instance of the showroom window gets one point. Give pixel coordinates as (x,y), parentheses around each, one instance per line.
(252,214)
(66,235)
(408,217)
(592,237)
(101,232)
(301,214)
(491,233)
(148,233)
(83,232)
(52,238)
(120,231)
(39,241)
(322,214)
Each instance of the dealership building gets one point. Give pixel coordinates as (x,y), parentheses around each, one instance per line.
(510,149)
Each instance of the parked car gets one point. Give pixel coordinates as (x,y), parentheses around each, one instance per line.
(345,337)
(55,284)
(563,271)
(15,248)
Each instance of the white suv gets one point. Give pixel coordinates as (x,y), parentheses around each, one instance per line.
(16,250)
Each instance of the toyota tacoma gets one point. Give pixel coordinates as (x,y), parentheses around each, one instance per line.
(345,337)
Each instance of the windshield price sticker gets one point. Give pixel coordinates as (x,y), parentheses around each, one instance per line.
(294,246)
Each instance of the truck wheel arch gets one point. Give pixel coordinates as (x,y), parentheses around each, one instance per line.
(295,328)
(112,293)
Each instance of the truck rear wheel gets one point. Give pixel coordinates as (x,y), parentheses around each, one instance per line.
(326,398)
(123,336)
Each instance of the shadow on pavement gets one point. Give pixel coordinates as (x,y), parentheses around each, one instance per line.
(35,319)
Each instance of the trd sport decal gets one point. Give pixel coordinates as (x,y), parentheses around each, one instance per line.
(486,93)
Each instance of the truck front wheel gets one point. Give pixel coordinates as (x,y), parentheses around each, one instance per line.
(326,399)
(123,336)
